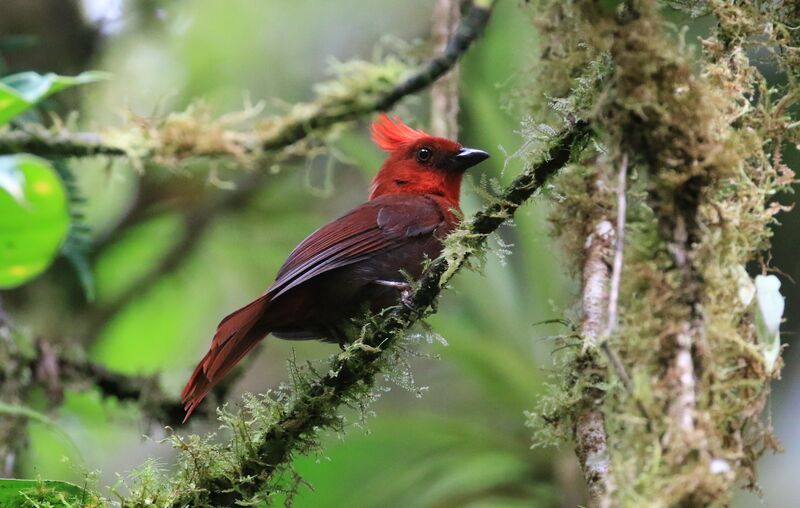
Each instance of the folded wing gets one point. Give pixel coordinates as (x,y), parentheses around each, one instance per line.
(379,225)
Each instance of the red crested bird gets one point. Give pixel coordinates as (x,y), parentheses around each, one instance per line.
(357,263)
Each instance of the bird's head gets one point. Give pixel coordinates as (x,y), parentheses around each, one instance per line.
(419,163)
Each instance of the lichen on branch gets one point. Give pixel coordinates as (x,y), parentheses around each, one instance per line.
(361,88)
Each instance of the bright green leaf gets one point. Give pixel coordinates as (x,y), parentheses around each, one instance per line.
(17,493)
(34,217)
(19,92)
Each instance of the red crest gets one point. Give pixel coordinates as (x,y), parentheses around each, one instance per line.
(390,134)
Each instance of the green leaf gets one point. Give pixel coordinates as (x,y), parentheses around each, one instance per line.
(20,493)
(19,92)
(34,217)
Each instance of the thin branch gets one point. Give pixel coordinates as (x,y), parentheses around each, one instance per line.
(196,222)
(601,289)
(58,144)
(614,282)
(619,247)
(316,406)
(303,120)
(53,370)
(589,427)
(57,371)
(444,93)
(595,277)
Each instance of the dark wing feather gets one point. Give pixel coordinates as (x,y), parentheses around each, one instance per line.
(376,226)
(382,224)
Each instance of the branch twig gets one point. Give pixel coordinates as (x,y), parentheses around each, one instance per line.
(302,121)
(57,371)
(613,290)
(619,248)
(195,224)
(48,367)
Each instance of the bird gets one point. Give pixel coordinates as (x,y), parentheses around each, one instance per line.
(361,262)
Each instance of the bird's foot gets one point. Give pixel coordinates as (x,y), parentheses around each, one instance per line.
(403,287)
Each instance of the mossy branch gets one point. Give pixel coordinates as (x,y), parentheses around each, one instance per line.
(703,136)
(57,144)
(31,363)
(353,372)
(185,137)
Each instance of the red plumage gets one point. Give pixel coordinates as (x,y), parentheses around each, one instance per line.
(391,135)
(355,263)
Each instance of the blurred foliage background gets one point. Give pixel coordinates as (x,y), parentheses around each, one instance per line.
(463,442)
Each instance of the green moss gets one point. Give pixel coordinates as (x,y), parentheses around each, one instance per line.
(243,137)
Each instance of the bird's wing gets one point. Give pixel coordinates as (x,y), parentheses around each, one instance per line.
(378,225)
(382,224)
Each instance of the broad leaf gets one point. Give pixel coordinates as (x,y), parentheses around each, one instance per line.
(19,92)
(34,217)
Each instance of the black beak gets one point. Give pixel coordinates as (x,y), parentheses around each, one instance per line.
(466,158)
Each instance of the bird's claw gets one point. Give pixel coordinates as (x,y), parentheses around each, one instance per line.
(405,298)
(403,287)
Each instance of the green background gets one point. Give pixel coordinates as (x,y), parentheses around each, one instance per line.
(464,442)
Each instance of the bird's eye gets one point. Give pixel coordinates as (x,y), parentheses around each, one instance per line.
(424,154)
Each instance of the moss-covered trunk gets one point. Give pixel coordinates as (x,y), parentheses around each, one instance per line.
(698,136)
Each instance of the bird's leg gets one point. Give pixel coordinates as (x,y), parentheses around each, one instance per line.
(402,286)
(337,335)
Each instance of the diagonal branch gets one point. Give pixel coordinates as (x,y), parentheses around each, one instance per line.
(56,371)
(196,223)
(49,367)
(316,406)
(303,120)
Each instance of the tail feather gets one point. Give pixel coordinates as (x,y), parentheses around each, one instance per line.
(237,334)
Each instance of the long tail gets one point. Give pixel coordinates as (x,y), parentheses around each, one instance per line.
(236,335)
